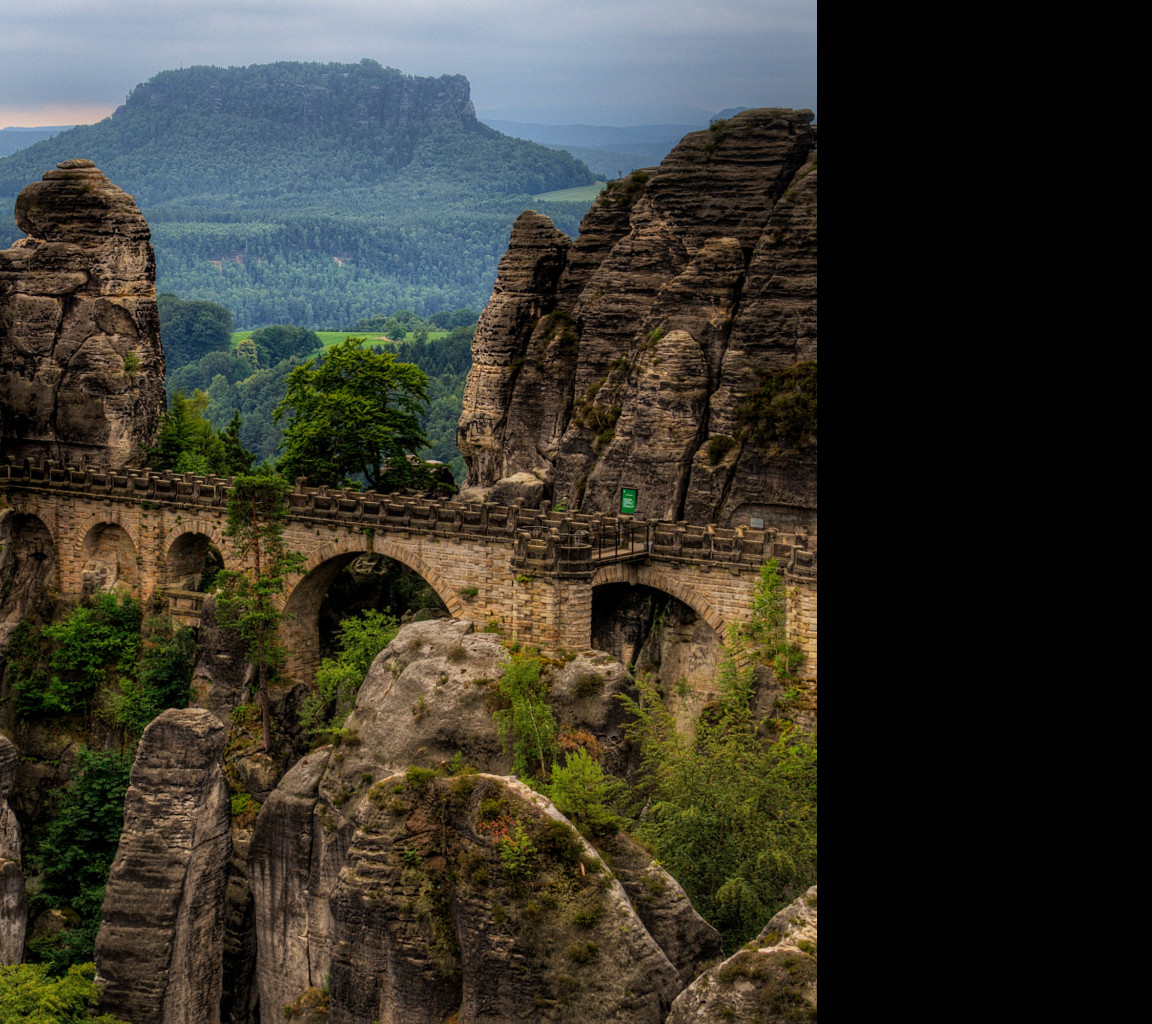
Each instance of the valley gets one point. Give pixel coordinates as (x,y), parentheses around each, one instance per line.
(541,747)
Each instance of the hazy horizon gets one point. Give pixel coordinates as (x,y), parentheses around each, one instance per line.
(592,62)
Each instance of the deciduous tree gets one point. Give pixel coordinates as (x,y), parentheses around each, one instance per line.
(257,510)
(354,414)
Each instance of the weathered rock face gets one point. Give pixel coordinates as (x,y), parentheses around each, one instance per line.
(160,946)
(472,895)
(336,847)
(429,695)
(81,367)
(771,980)
(671,347)
(13,904)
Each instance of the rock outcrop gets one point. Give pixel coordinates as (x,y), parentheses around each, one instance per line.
(81,367)
(13,904)
(159,952)
(772,980)
(472,895)
(430,693)
(391,883)
(671,347)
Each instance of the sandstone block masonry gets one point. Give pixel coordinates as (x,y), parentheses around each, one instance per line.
(533,571)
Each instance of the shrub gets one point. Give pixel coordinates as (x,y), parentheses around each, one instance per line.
(581,791)
(527,725)
(58,667)
(338,679)
(75,852)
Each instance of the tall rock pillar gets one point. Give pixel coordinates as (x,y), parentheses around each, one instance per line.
(13,905)
(159,953)
(81,367)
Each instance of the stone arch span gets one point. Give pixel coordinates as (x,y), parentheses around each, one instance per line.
(108,554)
(300,632)
(185,547)
(652,576)
(28,565)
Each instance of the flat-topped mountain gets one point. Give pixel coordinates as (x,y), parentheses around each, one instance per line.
(313,193)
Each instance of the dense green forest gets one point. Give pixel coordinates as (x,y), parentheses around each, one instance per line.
(211,382)
(315,194)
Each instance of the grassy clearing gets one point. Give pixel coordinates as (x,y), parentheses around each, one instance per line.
(579,194)
(335,337)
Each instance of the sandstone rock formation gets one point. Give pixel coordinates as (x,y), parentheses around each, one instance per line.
(81,367)
(13,904)
(355,867)
(672,346)
(770,981)
(429,695)
(160,946)
(472,895)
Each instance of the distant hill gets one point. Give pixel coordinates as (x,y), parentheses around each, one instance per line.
(314,193)
(609,151)
(12,140)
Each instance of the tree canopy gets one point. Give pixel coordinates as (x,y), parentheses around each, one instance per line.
(354,416)
(189,330)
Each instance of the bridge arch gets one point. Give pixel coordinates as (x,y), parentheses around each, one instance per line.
(107,554)
(652,576)
(28,564)
(186,548)
(301,632)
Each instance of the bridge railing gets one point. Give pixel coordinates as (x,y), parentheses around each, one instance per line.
(543,540)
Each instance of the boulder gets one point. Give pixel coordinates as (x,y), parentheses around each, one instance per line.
(772,980)
(472,895)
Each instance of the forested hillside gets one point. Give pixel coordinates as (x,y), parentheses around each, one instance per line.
(315,194)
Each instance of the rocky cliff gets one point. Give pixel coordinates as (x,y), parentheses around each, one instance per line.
(671,347)
(772,980)
(81,367)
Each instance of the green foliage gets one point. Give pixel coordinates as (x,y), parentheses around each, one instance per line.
(162,678)
(582,792)
(55,669)
(339,678)
(767,626)
(782,410)
(527,724)
(732,819)
(283,341)
(257,510)
(354,415)
(517,854)
(718,447)
(187,443)
(28,995)
(623,192)
(189,330)
(75,851)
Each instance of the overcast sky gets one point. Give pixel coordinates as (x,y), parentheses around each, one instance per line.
(593,61)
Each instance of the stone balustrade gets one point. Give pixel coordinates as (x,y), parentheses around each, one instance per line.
(545,540)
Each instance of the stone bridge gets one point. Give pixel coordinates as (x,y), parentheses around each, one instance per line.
(535,572)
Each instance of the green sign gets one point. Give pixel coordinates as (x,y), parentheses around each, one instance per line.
(628,501)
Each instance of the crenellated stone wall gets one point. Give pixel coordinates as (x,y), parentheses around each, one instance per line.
(534,572)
